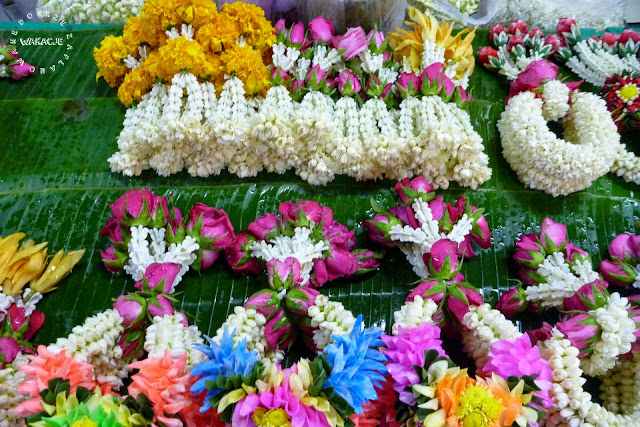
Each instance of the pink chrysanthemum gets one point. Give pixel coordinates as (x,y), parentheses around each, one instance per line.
(380,412)
(405,351)
(520,358)
(46,366)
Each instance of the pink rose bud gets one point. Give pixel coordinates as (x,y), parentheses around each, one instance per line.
(283,274)
(279,76)
(376,41)
(238,256)
(380,226)
(487,54)
(498,35)
(212,230)
(113,259)
(434,290)
(534,76)
(618,273)
(16,317)
(367,260)
(9,349)
(554,41)
(340,263)
(589,297)
(406,215)
(480,231)
(279,331)
(408,84)
(160,305)
(131,342)
(303,212)
(565,26)
(132,308)
(529,258)
(297,34)
(112,230)
(459,298)
(438,208)
(21,70)
(625,248)
(435,82)
(536,32)
(465,248)
(348,83)
(629,35)
(265,302)
(176,229)
(530,277)
(442,261)
(316,79)
(374,88)
(581,330)
(553,235)
(418,187)
(159,277)
(281,27)
(529,242)
(575,254)
(518,28)
(387,93)
(610,38)
(299,300)
(141,207)
(353,42)
(182,318)
(339,235)
(265,227)
(321,29)
(512,302)
(456,211)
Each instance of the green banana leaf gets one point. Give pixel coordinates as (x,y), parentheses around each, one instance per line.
(57,130)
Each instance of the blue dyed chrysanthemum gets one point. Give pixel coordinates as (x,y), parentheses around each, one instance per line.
(224,360)
(356,365)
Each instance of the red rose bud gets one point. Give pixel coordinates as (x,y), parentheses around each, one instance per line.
(512,302)
(380,226)
(408,84)
(553,236)
(160,305)
(459,298)
(629,38)
(589,297)
(265,227)
(21,70)
(536,32)
(618,273)
(141,207)
(159,278)
(418,187)
(279,331)
(299,300)
(348,83)
(554,42)
(581,330)
(36,320)
(610,39)
(518,28)
(301,213)
(488,57)
(568,30)
(625,247)
(529,259)
(367,260)
(498,35)
(297,35)
(9,349)
(283,274)
(132,308)
(321,29)
(238,257)
(434,290)
(114,259)
(442,260)
(265,302)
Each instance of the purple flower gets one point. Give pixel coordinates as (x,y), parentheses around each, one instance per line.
(553,235)
(141,207)
(618,272)
(405,351)
(408,84)
(354,41)
(625,247)
(265,226)
(321,29)
(238,256)
(132,308)
(418,187)
(9,349)
(589,297)
(283,274)
(160,305)
(581,330)
(160,277)
(460,297)
(348,83)
(442,260)
(512,302)
(379,228)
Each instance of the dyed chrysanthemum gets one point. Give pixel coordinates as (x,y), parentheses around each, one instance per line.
(110,59)
(356,365)
(622,94)
(411,44)
(407,350)
(224,361)
(46,366)
(380,412)
(246,63)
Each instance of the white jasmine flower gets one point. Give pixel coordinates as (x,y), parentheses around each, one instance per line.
(248,325)
(10,378)
(329,318)
(3,70)
(414,313)
(168,333)
(89,11)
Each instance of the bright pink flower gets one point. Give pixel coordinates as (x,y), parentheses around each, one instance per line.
(564,26)
(311,211)
(112,230)
(212,224)
(297,34)
(264,301)
(442,260)
(348,83)
(339,235)
(574,253)
(279,76)
(625,247)
(536,74)
(316,77)
(9,349)
(529,258)
(321,29)
(512,302)
(281,26)
(264,226)
(529,242)
(21,70)
(408,84)
(589,297)
(128,208)
(460,298)
(160,306)
(354,41)
(367,261)
(278,331)
(132,308)
(376,39)
(553,235)
(298,300)
(36,320)
(320,273)
(438,207)
(406,215)
(480,232)
(434,80)
(238,256)
(486,53)
(580,329)
(160,276)
(408,190)
(340,263)
(283,274)
(518,28)
(113,259)
(618,272)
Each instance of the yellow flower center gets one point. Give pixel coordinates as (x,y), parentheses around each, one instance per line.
(629,92)
(271,418)
(84,422)
(477,407)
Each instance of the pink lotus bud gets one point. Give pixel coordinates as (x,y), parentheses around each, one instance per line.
(512,302)
(406,215)
(132,308)
(418,187)
(238,256)
(610,38)
(348,83)
(321,29)
(297,34)
(160,305)
(518,28)
(514,41)
(114,259)
(141,207)
(380,226)
(21,70)
(408,84)
(160,277)
(625,248)
(301,213)
(341,263)
(283,274)
(9,349)
(279,331)
(442,261)
(353,42)
(367,260)
(265,227)
(459,298)
(536,32)
(554,41)
(299,300)
(376,40)
(589,297)
(627,35)
(553,235)
(495,35)
(618,273)
(265,302)
(574,254)
(564,26)
(581,330)
(435,290)
(112,230)
(486,54)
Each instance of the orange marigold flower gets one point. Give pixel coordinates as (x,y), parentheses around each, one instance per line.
(109,58)
(246,63)
(220,33)
(136,32)
(46,366)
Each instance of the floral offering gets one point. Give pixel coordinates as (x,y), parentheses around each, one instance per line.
(11,64)
(624,267)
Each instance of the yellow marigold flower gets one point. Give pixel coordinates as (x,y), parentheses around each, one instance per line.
(213,69)
(258,31)
(410,44)
(246,63)
(175,56)
(109,58)
(161,15)
(137,32)
(135,84)
(200,12)
(220,33)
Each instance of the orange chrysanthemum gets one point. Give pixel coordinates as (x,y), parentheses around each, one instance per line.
(46,366)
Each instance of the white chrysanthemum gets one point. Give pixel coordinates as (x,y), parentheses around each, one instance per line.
(414,313)
(248,325)
(96,342)
(88,11)
(329,318)
(168,333)
(485,325)
(562,280)
(10,397)
(559,166)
